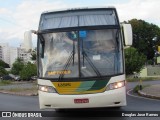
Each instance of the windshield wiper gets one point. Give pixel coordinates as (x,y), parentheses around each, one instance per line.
(91,64)
(68,62)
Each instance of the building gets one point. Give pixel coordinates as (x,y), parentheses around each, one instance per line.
(22,54)
(13,55)
(10,54)
(1,53)
(5,52)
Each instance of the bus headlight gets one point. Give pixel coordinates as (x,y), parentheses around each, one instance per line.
(48,89)
(115,85)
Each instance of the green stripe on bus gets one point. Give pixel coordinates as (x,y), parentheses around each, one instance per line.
(99,84)
(85,86)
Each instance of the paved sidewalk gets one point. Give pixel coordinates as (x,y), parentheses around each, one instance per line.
(152,91)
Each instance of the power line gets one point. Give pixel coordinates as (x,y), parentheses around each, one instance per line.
(8,21)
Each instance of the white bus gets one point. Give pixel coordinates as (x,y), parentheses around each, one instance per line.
(80,58)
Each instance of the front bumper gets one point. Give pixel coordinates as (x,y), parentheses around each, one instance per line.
(111,98)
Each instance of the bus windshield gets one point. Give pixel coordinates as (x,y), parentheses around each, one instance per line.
(80,54)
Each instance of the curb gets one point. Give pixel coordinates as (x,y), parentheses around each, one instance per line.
(19,94)
(147,95)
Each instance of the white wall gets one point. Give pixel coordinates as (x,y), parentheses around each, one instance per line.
(13,55)
(5,52)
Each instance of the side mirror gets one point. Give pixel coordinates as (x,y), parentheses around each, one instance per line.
(28,39)
(127,34)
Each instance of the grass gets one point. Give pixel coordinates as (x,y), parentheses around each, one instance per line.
(137,87)
(143,79)
(5,82)
(32,90)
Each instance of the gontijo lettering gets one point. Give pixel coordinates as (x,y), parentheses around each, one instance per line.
(59,72)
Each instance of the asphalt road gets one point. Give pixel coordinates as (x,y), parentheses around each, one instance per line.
(30,103)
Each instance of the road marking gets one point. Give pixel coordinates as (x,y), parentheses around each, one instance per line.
(139,96)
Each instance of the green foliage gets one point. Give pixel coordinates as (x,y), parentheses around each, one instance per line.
(134,61)
(5,82)
(3,64)
(34,55)
(150,62)
(28,71)
(3,71)
(17,67)
(143,33)
(142,78)
(136,88)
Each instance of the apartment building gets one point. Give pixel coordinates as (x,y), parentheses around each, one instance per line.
(22,54)
(1,52)
(5,52)
(13,55)
(10,54)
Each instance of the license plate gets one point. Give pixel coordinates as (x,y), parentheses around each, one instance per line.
(86,100)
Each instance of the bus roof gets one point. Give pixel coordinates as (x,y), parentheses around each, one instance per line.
(78,17)
(77,9)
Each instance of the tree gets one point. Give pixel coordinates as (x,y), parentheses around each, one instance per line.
(143,33)
(3,71)
(3,64)
(33,54)
(134,61)
(28,71)
(17,66)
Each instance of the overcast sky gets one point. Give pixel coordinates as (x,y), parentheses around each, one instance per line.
(17,16)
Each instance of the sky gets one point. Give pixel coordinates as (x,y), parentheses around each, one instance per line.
(18,16)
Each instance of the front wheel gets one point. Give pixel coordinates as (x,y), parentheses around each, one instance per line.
(60,110)
(117,108)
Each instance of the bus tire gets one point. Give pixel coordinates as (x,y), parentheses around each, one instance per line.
(59,110)
(118,107)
